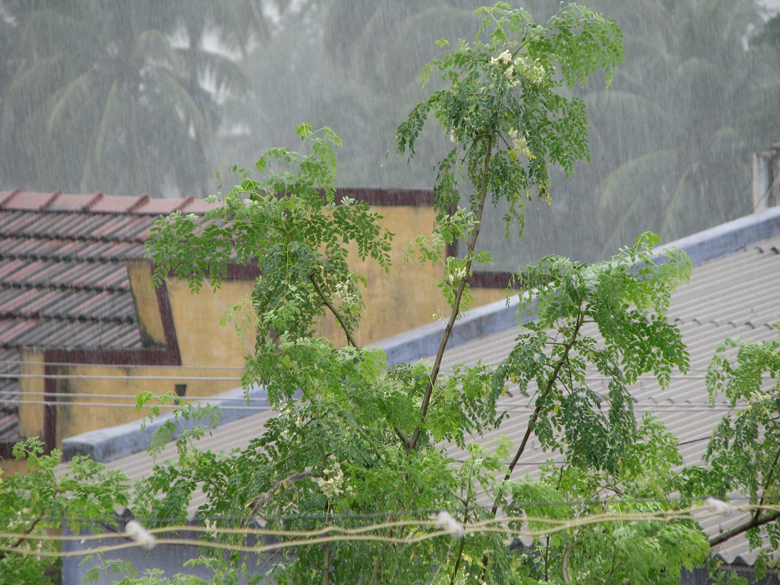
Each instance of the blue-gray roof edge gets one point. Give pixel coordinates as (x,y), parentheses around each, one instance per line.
(112,443)
(710,244)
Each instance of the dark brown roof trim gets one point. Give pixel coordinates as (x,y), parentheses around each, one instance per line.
(388,197)
(242,272)
(500,280)
(167,356)
(6,449)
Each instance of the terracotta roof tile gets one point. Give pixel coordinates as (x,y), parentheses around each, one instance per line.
(63,276)
(117,204)
(30,201)
(198,206)
(74,202)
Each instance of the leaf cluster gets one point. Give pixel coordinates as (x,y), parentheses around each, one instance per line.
(289,225)
(39,501)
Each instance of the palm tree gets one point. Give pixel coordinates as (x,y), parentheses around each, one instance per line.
(104,99)
(672,138)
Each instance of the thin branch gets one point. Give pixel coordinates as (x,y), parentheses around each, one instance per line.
(456,304)
(333,310)
(757,513)
(547,389)
(27,532)
(457,563)
(401,435)
(377,566)
(326,565)
(752,523)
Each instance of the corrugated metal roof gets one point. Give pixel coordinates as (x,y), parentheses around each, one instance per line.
(735,296)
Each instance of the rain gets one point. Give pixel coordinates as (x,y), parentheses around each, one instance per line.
(157,97)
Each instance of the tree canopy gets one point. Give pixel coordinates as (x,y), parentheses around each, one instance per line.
(352,477)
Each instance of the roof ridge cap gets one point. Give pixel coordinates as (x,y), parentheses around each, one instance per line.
(142,199)
(9,196)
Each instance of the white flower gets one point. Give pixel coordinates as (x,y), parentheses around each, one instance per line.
(140,535)
(519,144)
(456,277)
(332,482)
(503,59)
(445,521)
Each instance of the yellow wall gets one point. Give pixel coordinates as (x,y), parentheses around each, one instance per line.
(31,391)
(212,359)
(397,301)
(407,296)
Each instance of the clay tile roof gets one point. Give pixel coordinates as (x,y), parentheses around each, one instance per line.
(163,206)
(74,202)
(118,204)
(63,278)
(198,206)
(28,201)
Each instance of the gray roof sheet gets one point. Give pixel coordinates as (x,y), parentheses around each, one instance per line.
(733,296)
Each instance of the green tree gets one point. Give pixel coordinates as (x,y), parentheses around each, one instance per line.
(40,502)
(353,465)
(355,440)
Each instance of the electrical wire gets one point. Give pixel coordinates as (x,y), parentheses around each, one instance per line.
(332,533)
(94,377)
(123,366)
(642,408)
(415,512)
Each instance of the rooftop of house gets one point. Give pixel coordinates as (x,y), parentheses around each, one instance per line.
(64,283)
(732,293)
(63,278)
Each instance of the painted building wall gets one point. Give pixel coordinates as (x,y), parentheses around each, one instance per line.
(212,355)
(405,297)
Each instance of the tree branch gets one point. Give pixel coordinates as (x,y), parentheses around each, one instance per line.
(547,389)
(457,563)
(456,304)
(326,565)
(27,532)
(333,310)
(752,523)
(757,513)
(377,567)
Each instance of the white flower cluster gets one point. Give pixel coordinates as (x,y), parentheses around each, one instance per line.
(519,144)
(455,278)
(344,292)
(534,71)
(504,60)
(332,482)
